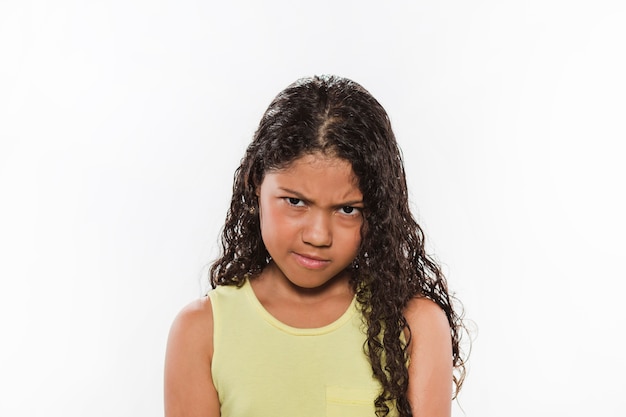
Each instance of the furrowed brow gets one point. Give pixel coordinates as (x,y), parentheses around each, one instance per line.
(296,193)
(351,203)
(301,196)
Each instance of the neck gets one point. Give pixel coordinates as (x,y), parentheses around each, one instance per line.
(274,280)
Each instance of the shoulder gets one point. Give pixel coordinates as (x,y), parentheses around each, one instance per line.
(193,325)
(189,389)
(430,330)
(423,315)
(430,358)
(195,317)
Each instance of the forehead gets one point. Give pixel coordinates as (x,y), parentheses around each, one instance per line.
(317,174)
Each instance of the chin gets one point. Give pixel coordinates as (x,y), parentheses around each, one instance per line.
(311,284)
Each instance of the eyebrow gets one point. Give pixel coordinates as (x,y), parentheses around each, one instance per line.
(303,197)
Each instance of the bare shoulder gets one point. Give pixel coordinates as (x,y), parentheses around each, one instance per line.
(430,353)
(425,316)
(194,324)
(189,389)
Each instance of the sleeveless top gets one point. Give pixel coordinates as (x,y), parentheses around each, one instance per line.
(264,368)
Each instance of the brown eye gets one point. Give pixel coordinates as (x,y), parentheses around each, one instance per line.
(349,210)
(294,201)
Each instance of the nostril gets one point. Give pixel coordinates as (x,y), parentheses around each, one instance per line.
(318,233)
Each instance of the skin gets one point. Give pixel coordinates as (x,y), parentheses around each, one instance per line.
(430,353)
(310,223)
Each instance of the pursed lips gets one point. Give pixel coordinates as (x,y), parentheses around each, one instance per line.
(310,261)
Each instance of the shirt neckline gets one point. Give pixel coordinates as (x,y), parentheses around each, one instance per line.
(297,331)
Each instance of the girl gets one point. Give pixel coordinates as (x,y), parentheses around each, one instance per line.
(324,302)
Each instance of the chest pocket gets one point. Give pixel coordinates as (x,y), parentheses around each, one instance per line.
(350,402)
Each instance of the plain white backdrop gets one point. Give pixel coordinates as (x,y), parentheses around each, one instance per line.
(122,122)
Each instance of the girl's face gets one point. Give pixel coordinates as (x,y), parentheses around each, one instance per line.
(311,217)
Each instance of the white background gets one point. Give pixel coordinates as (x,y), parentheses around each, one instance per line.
(121,123)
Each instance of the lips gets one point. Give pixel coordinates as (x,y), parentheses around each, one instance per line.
(310,261)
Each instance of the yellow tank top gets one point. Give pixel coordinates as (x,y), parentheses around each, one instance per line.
(263,368)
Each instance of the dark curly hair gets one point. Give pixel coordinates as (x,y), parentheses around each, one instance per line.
(338,117)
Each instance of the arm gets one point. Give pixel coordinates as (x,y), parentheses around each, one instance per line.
(430,368)
(189,390)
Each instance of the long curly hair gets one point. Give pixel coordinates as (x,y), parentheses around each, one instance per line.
(337,116)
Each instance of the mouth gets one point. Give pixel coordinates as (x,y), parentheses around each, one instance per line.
(310,261)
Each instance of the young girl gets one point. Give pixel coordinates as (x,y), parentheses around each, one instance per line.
(324,301)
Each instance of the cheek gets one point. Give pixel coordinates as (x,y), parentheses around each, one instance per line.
(357,241)
(274,227)
(352,240)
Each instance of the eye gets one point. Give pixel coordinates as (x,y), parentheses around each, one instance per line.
(349,210)
(292,201)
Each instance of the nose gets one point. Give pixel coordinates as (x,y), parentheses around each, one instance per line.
(317,230)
